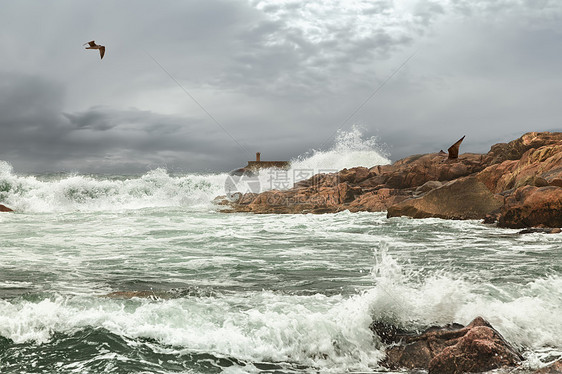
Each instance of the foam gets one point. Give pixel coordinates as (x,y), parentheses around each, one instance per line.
(317,331)
(328,332)
(157,188)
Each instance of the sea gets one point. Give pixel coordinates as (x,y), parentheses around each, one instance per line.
(144,274)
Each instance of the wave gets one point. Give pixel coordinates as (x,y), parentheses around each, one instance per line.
(350,150)
(157,188)
(314,331)
(319,331)
(527,315)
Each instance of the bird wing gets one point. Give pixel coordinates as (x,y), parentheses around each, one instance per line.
(92,43)
(102,51)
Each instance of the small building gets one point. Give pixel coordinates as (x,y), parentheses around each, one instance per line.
(259,164)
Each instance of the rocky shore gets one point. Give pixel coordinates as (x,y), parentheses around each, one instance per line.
(452,349)
(516,185)
(478,347)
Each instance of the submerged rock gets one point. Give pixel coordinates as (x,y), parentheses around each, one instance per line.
(450,349)
(146,294)
(541,230)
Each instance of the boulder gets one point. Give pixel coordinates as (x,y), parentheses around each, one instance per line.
(465,198)
(427,186)
(377,200)
(531,206)
(515,149)
(4,208)
(450,349)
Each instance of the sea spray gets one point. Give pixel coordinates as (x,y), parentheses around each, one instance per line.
(528,315)
(158,188)
(317,331)
(66,193)
(350,150)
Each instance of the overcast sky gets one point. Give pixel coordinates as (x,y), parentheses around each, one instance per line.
(276,76)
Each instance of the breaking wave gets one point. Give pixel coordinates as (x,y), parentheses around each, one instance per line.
(158,188)
(350,150)
(330,333)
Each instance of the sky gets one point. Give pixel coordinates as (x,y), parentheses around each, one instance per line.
(201,85)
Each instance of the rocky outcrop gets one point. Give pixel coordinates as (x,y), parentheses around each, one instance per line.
(532,206)
(451,349)
(516,184)
(4,208)
(464,198)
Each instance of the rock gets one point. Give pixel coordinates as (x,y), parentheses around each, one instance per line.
(554,368)
(139,294)
(450,349)
(532,206)
(377,201)
(4,208)
(541,230)
(515,149)
(354,175)
(515,184)
(465,198)
(428,186)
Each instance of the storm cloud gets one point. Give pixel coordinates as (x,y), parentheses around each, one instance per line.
(202,85)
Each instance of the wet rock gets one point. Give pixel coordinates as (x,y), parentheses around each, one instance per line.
(138,294)
(4,208)
(451,349)
(362,189)
(541,230)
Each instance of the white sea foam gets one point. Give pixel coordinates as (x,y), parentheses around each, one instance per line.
(316,331)
(328,332)
(158,188)
(350,150)
(528,315)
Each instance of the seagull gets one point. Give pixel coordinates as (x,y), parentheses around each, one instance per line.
(93,45)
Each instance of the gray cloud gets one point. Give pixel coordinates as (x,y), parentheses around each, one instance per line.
(38,136)
(280,76)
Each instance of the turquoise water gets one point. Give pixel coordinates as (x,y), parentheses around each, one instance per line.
(143,275)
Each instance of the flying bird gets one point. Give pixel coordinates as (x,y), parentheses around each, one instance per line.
(93,45)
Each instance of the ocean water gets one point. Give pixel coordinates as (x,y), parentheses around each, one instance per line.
(142,274)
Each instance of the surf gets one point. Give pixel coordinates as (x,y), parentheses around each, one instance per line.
(159,188)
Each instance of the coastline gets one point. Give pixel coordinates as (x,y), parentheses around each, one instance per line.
(515,185)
